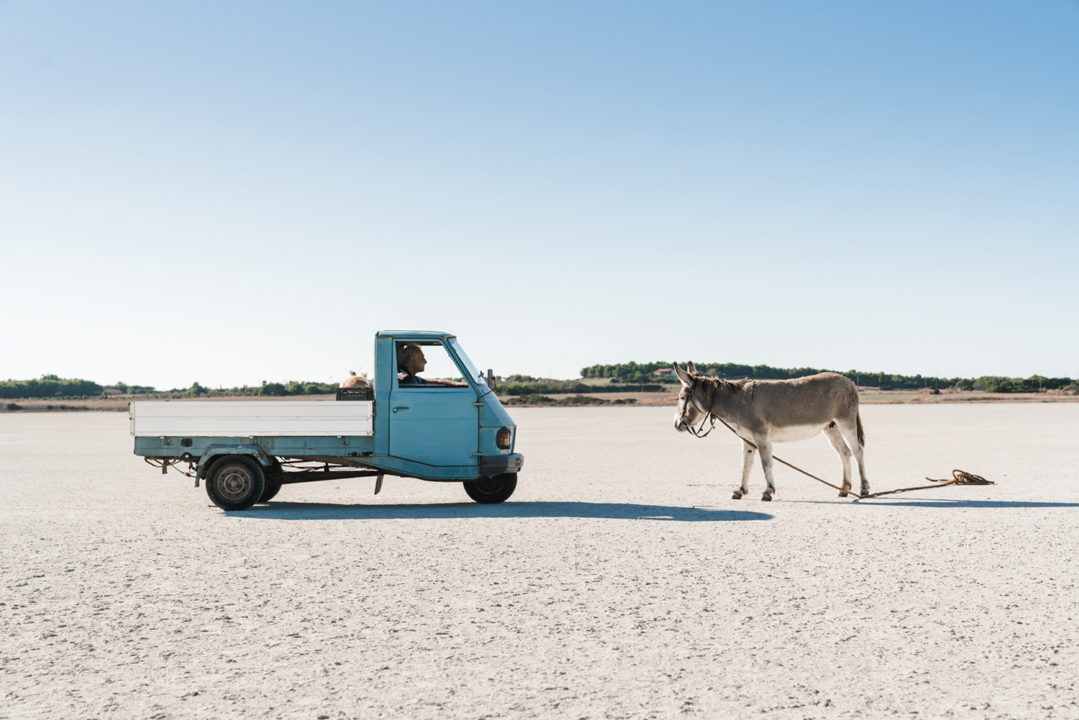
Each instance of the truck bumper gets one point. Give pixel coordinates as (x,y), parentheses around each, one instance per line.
(491,465)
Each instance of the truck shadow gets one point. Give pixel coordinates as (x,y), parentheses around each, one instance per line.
(595,510)
(942,503)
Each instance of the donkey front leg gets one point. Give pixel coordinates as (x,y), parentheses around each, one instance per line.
(765,448)
(747,467)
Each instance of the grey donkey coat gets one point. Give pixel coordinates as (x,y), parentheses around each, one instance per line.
(765,412)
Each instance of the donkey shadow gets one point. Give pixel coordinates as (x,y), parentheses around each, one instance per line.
(588,510)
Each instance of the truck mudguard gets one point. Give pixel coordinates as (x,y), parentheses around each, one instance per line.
(215,451)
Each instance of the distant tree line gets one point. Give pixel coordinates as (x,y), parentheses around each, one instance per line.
(623,377)
(565,401)
(296,387)
(48,386)
(1034,383)
(52,386)
(267,389)
(125,389)
(643,372)
(528,385)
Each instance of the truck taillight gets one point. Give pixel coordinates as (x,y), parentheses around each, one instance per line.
(504,439)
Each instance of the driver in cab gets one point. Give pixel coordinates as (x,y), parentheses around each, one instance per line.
(410,363)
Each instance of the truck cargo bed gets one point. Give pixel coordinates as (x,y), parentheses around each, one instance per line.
(248,418)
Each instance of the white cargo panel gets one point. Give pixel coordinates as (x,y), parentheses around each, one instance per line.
(245,418)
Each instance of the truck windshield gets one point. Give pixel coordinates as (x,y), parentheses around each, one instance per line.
(470,366)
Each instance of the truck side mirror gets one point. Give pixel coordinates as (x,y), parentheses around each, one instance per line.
(491,378)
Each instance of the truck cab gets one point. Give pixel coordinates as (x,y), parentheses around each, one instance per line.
(446,421)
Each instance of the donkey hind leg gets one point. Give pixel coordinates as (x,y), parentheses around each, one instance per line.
(765,448)
(849,428)
(836,438)
(747,467)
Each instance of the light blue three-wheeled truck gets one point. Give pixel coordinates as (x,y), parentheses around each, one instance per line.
(450,428)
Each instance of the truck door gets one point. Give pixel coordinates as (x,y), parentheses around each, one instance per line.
(433,413)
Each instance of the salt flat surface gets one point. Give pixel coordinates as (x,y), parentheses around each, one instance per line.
(620,581)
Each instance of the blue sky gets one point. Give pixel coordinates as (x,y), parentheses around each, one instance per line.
(230,195)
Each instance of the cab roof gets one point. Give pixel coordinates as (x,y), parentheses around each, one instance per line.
(417,334)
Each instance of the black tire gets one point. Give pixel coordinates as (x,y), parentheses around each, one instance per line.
(273,486)
(492,490)
(235,483)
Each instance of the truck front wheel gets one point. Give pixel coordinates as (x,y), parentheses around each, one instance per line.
(493,489)
(235,483)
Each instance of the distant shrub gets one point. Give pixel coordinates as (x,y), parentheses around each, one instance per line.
(48,386)
(1032,384)
(273,389)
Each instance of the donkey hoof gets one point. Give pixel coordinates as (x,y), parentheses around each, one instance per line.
(736,495)
(844,493)
(767,497)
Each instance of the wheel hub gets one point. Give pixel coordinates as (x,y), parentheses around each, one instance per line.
(234,483)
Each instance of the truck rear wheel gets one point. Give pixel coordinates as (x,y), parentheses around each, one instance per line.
(493,489)
(235,483)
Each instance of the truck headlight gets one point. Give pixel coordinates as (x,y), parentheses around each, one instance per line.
(504,438)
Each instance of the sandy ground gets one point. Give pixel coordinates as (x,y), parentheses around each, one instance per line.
(620,581)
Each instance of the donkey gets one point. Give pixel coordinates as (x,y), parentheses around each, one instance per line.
(768,411)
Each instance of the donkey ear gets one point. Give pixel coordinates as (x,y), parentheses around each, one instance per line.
(683,375)
(691,367)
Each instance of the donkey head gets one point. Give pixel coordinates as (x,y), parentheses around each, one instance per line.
(691,399)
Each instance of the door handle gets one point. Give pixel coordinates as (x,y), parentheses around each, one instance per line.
(398,408)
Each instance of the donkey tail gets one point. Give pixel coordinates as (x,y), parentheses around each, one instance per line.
(861,432)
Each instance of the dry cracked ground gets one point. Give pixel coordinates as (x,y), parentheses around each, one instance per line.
(620,581)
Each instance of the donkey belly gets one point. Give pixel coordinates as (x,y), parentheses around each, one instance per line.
(791,433)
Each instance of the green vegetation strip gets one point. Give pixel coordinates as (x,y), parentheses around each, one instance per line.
(596,379)
(640,372)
